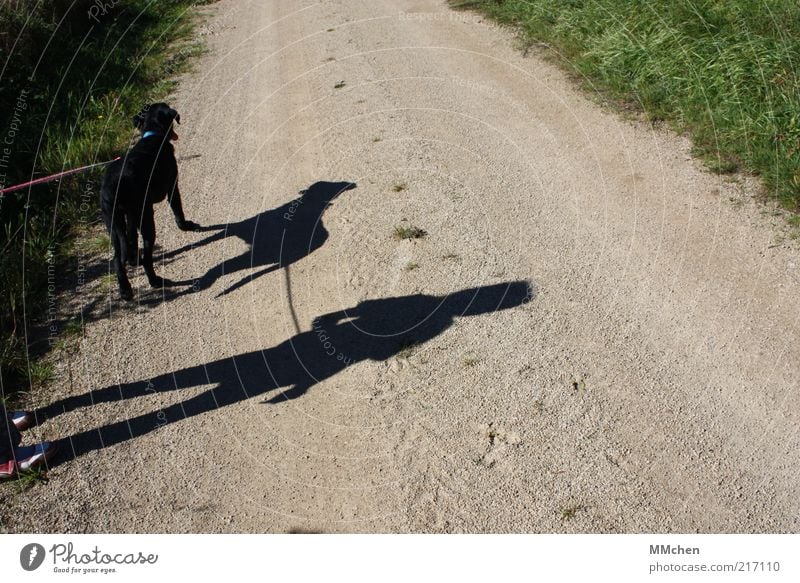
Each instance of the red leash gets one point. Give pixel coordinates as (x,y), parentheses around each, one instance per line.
(44,179)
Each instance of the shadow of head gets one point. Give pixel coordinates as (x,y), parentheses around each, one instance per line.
(323,193)
(427,315)
(487,299)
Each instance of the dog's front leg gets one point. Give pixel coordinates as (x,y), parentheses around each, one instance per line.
(177,210)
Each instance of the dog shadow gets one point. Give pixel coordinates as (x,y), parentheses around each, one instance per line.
(275,238)
(373,330)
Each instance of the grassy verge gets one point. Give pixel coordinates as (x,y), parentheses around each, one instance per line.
(72,74)
(725,72)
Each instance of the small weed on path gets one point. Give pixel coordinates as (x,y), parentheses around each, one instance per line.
(401,233)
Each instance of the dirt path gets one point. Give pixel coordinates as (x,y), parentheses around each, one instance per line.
(650,383)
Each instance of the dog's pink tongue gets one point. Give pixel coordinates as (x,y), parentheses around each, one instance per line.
(172,135)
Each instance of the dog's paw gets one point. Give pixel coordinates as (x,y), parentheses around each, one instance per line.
(188,226)
(126,293)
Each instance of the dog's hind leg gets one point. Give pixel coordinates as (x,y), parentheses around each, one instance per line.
(131,242)
(117,233)
(114,218)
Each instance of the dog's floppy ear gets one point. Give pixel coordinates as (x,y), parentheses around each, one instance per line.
(138,119)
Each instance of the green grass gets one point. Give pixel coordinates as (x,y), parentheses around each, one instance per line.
(570,512)
(25,480)
(90,78)
(401,233)
(73,327)
(100,245)
(725,72)
(107,282)
(71,330)
(411,266)
(41,373)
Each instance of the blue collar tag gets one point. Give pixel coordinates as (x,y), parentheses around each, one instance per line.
(148,134)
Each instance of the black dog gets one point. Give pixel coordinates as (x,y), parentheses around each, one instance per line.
(147,174)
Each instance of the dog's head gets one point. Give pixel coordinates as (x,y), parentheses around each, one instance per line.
(158,118)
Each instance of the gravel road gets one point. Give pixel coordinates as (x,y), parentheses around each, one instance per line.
(629,362)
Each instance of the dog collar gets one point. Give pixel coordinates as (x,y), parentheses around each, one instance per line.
(148,134)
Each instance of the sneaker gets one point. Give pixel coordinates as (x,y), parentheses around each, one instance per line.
(26,458)
(32,456)
(21,419)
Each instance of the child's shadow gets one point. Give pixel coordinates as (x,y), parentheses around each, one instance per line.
(276,238)
(374,330)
